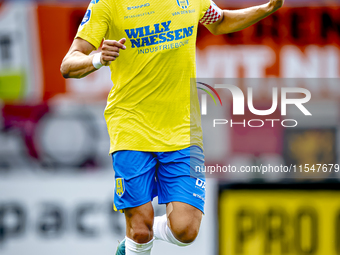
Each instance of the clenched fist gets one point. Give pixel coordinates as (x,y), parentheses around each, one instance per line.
(110,50)
(276,4)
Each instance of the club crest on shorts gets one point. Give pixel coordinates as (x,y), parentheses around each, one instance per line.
(184,4)
(120,187)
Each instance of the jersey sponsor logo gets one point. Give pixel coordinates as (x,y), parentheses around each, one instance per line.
(94,1)
(200,183)
(120,186)
(139,15)
(157,34)
(86,17)
(138,6)
(184,4)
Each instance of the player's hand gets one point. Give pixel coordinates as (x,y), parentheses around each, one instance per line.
(276,4)
(110,50)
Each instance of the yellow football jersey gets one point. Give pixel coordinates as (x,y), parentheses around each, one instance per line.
(150,106)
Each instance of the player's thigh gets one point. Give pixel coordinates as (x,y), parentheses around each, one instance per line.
(134,178)
(177,180)
(182,214)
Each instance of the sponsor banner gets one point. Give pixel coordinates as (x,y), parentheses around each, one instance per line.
(279,220)
(58,215)
(73,214)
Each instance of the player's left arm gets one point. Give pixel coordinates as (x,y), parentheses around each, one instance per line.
(236,20)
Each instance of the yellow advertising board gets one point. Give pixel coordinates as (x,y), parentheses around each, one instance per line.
(279,222)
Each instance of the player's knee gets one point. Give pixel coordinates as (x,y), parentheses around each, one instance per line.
(141,234)
(185,233)
(141,230)
(139,222)
(185,222)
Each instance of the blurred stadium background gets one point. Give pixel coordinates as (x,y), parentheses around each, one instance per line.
(56,179)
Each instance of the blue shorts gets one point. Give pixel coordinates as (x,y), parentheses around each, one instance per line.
(141,176)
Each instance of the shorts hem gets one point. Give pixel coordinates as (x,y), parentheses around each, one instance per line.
(183,200)
(154,149)
(133,206)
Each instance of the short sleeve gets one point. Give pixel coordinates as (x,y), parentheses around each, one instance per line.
(96,22)
(212,14)
(205,4)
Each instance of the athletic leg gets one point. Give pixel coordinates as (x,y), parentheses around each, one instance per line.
(184,193)
(139,233)
(134,191)
(139,222)
(184,221)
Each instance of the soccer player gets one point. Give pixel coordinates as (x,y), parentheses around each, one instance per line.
(152,111)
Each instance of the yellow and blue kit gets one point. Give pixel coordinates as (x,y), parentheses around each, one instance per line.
(153,106)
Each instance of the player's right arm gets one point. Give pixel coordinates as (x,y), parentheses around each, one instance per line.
(78,63)
(93,29)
